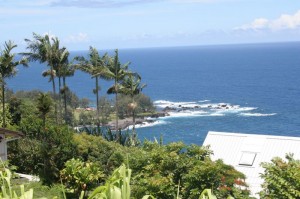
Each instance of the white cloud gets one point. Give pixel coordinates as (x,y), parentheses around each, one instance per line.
(78,38)
(284,22)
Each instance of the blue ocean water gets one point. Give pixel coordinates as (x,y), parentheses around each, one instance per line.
(260,82)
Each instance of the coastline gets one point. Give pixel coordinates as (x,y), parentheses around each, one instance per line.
(140,121)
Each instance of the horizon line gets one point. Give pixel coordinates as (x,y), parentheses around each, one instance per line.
(190,46)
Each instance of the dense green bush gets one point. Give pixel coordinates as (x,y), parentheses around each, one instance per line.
(158,170)
(281,179)
(144,104)
(44,151)
(108,155)
(80,176)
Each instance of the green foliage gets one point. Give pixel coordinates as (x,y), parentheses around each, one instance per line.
(6,188)
(41,191)
(80,176)
(26,154)
(44,151)
(281,179)
(8,70)
(14,105)
(207,194)
(44,105)
(105,110)
(29,95)
(84,103)
(125,138)
(108,155)
(143,105)
(159,169)
(116,187)
(87,118)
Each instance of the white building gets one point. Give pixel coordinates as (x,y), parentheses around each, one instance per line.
(5,137)
(247,151)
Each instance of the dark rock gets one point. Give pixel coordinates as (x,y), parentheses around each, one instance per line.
(159,114)
(169,109)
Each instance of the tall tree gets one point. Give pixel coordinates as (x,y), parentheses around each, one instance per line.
(46,50)
(67,70)
(131,85)
(97,67)
(117,72)
(8,69)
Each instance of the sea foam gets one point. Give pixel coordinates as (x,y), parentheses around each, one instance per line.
(149,124)
(257,114)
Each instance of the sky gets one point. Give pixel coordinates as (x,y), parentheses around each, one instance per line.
(110,24)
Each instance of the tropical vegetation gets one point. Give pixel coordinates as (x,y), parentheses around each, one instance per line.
(94,161)
(281,178)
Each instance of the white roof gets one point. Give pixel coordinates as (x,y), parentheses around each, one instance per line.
(246,151)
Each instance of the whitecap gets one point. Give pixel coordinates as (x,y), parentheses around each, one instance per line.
(165,103)
(202,101)
(187,113)
(148,124)
(217,114)
(257,114)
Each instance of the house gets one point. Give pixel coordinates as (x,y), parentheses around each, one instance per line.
(247,151)
(5,137)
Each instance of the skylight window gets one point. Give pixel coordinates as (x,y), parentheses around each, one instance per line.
(247,158)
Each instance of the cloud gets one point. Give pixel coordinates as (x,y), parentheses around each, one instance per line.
(100,3)
(78,38)
(284,22)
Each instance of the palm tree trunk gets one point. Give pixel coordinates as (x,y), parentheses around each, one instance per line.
(116,106)
(133,119)
(97,104)
(65,97)
(59,97)
(3,103)
(54,94)
(133,113)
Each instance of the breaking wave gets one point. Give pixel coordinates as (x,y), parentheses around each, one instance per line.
(149,123)
(203,109)
(257,114)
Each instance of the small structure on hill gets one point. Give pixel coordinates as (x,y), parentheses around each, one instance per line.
(247,151)
(5,137)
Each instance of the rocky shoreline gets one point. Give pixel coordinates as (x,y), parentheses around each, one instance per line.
(127,122)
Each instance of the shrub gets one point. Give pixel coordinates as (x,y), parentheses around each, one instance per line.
(281,178)
(80,176)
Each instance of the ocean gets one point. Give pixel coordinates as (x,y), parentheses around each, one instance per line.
(249,88)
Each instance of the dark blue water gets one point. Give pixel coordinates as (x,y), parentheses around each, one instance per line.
(264,77)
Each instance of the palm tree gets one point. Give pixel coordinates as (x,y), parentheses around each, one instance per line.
(44,103)
(131,85)
(96,66)
(117,72)
(46,50)
(63,69)
(66,71)
(8,70)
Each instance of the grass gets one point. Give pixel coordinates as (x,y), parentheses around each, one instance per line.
(40,191)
